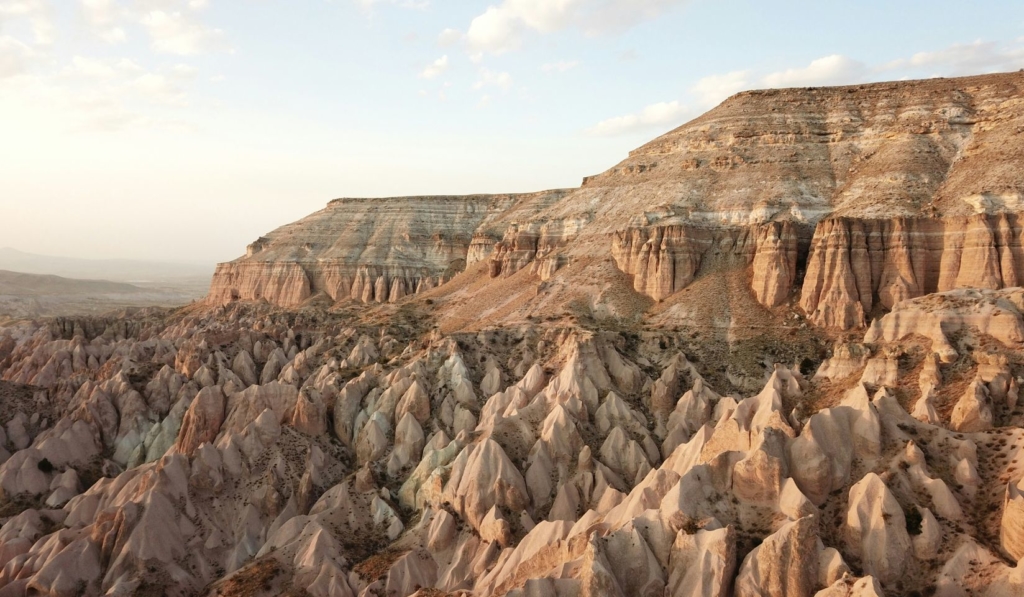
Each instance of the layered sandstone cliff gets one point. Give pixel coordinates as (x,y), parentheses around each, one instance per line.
(856,265)
(880,192)
(372,250)
(509,435)
(666,259)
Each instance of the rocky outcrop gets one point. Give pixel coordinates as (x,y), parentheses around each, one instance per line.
(786,563)
(531,244)
(877,530)
(277,282)
(939,316)
(665,259)
(548,431)
(856,265)
(371,250)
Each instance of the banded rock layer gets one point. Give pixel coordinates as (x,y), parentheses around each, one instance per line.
(665,259)
(855,265)
(372,250)
(901,184)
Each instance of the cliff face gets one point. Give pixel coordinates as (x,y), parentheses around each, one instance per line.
(281,283)
(531,244)
(856,265)
(371,250)
(903,186)
(665,259)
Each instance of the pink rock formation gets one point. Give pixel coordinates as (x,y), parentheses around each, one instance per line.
(855,264)
(370,250)
(665,259)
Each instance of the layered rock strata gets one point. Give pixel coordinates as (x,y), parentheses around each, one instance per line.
(909,187)
(374,250)
(856,265)
(665,259)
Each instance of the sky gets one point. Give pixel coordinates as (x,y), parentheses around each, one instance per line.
(184,129)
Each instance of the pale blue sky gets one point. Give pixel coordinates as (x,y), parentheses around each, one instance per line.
(161,129)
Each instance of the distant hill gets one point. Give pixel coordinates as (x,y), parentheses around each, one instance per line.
(44,295)
(118,270)
(21,284)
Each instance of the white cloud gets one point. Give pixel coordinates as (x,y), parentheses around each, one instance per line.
(184,71)
(38,13)
(501,28)
(966,59)
(449,37)
(658,115)
(100,12)
(19,56)
(129,65)
(15,57)
(114,35)
(435,68)
(830,70)
(106,95)
(103,17)
(101,94)
(496,31)
(712,89)
(502,80)
(123,78)
(368,5)
(159,88)
(91,68)
(174,26)
(178,33)
(20,8)
(560,67)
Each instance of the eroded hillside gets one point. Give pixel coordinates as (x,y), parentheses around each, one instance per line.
(776,352)
(877,192)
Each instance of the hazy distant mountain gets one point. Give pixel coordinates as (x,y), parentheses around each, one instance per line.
(118,270)
(42,285)
(42,295)
(22,284)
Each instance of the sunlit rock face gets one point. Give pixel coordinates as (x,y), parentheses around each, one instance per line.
(379,250)
(776,352)
(856,265)
(665,260)
(848,199)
